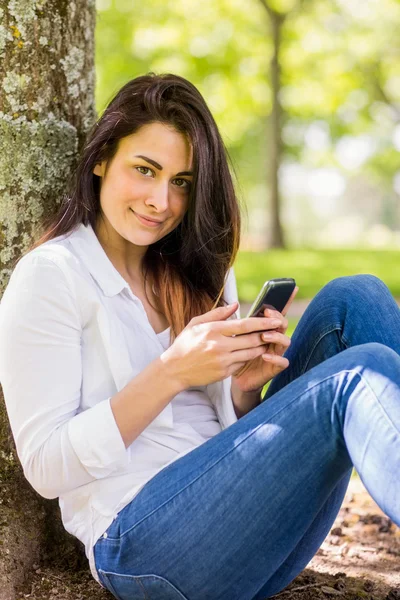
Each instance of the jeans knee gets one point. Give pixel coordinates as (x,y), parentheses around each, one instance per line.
(376,355)
(366,287)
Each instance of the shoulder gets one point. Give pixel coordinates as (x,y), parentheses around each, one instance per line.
(57,252)
(47,282)
(53,273)
(55,258)
(50,269)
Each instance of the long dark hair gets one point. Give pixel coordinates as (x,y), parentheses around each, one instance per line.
(189,265)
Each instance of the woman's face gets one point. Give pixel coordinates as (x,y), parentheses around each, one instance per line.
(149,176)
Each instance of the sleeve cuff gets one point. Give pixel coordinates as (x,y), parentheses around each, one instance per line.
(96,440)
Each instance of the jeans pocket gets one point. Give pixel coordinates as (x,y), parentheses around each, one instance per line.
(140,587)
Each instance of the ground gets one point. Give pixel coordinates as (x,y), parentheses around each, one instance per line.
(363,541)
(359,560)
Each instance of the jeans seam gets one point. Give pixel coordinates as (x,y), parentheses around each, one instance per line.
(226,454)
(143,589)
(109,583)
(335,328)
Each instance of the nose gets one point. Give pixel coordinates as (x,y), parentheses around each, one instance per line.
(158,197)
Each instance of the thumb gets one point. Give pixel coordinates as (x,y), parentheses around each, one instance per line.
(221,313)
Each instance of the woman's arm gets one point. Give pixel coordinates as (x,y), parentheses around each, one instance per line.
(60,446)
(153,388)
(244,402)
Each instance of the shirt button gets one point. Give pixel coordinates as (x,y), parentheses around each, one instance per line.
(105,536)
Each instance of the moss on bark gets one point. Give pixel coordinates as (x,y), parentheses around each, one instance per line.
(46,108)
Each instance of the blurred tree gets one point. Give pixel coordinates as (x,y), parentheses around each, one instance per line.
(330,108)
(276,22)
(277,17)
(341,92)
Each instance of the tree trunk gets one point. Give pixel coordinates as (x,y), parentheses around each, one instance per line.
(275,146)
(46,108)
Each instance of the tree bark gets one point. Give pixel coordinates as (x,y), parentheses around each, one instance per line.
(46,108)
(275,148)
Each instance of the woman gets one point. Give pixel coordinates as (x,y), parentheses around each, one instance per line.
(133,390)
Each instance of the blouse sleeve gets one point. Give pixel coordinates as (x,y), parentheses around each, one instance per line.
(230,292)
(219,392)
(59,446)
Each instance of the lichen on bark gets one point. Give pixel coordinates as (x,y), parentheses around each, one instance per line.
(46,109)
(32,155)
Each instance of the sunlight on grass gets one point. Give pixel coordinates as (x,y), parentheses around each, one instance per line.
(312,269)
(292,326)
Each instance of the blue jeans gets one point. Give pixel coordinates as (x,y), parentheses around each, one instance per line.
(241,515)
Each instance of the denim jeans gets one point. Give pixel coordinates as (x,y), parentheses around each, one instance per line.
(240,516)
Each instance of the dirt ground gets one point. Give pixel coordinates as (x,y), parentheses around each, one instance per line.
(359,560)
(363,541)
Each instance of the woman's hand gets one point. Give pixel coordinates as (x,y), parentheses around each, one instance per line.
(254,374)
(211,347)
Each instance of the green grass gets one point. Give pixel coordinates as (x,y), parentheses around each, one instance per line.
(312,269)
(292,326)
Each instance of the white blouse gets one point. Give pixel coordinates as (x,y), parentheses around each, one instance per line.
(72,334)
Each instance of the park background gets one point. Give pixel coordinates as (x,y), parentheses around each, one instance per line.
(306,94)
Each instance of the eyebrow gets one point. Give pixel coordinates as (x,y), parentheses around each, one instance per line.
(159,167)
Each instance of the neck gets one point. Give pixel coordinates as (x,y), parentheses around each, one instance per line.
(126,257)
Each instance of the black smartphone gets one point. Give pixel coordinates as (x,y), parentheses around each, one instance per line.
(275,294)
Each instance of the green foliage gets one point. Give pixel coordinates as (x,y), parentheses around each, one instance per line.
(222,49)
(339,66)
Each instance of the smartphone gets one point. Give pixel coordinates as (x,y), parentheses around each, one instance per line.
(275,294)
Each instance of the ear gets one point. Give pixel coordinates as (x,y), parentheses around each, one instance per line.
(98,169)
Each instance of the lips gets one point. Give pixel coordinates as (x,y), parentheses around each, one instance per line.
(146,221)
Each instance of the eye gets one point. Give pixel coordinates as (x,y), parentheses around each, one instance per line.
(146,171)
(182,183)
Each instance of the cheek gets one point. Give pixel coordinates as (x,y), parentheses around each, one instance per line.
(180,205)
(120,185)
(179,214)
(108,192)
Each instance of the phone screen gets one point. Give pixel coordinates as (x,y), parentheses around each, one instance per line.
(275,294)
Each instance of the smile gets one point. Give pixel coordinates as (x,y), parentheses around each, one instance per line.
(146,221)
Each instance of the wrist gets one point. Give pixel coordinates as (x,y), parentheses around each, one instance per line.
(171,373)
(244,402)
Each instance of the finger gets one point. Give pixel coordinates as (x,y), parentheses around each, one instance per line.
(279,362)
(216,314)
(274,337)
(289,302)
(247,354)
(252,340)
(274,314)
(249,325)
(277,349)
(236,369)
